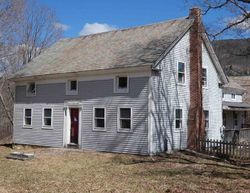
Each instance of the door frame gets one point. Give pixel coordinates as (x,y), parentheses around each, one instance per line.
(67,122)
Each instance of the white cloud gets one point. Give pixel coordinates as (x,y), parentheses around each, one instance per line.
(61,26)
(93,28)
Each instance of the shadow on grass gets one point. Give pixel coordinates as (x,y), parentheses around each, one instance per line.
(187,165)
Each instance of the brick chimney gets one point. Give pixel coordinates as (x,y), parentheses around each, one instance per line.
(196,127)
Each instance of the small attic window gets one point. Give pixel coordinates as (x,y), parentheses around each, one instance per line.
(72,87)
(31,89)
(121,84)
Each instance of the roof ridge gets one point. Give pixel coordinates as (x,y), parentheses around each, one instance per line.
(125,29)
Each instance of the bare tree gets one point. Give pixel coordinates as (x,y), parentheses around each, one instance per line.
(235,19)
(26,30)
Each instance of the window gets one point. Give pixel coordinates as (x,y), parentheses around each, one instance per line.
(99,119)
(233,96)
(206,113)
(235,118)
(72,87)
(178,118)
(121,84)
(204,77)
(27,118)
(47,117)
(125,119)
(223,95)
(31,89)
(181,72)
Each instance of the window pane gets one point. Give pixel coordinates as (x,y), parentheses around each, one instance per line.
(32,88)
(122,82)
(99,123)
(47,121)
(181,67)
(178,113)
(47,112)
(27,121)
(99,112)
(206,115)
(125,124)
(204,76)
(178,124)
(27,112)
(181,78)
(125,113)
(73,85)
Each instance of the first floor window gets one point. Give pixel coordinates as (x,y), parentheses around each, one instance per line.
(233,96)
(125,118)
(47,117)
(27,117)
(206,113)
(181,72)
(99,118)
(178,118)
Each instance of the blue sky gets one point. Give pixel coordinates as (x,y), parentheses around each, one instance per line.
(75,14)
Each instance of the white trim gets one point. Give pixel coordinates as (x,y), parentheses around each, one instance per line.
(125,130)
(150,126)
(27,88)
(143,71)
(52,118)
(116,83)
(93,119)
(67,122)
(68,90)
(182,119)
(177,73)
(27,126)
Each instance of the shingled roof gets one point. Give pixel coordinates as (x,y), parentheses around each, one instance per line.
(138,46)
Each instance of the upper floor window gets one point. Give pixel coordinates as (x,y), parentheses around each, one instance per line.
(99,119)
(27,121)
(121,84)
(125,119)
(233,96)
(31,89)
(206,113)
(178,118)
(204,77)
(72,87)
(47,118)
(181,72)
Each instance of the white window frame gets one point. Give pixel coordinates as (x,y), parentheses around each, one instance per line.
(27,89)
(185,73)
(233,98)
(182,118)
(205,85)
(52,118)
(207,128)
(24,125)
(94,128)
(116,84)
(68,90)
(124,130)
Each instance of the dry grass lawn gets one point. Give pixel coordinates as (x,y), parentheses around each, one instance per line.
(60,170)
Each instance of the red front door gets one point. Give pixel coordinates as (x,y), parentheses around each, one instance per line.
(74,116)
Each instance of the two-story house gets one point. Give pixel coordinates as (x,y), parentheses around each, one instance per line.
(140,90)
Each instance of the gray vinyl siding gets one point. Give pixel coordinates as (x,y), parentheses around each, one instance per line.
(167,95)
(90,94)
